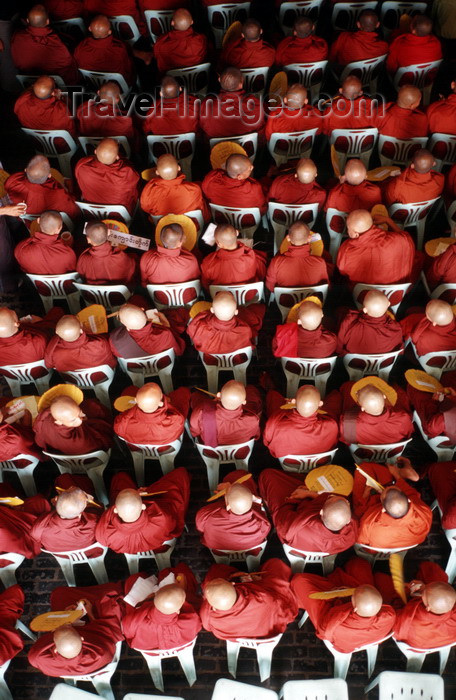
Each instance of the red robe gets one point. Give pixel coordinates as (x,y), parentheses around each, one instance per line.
(87,351)
(163,519)
(231,114)
(335,620)
(297,267)
(287,432)
(360,113)
(26,345)
(16,524)
(50,195)
(106,600)
(442,269)
(361,333)
(161,197)
(57,534)
(97,118)
(294,49)
(38,50)
(393,425)
(291,340)
(287,189)
(242,265)
(408,50)
(42,254)
(442,116)
(64,9)
(11,609)
(442,476)
(95,433)
(377,528)
(401,123)
(216,425)
(220,188)
(293,120)
(173,115)
(105,264)
(16,439)
(151,340)
(179,49)
(114,8)
(162,4)
(426,337)
(437,417)
(450,185)
(247,54)
(347,198)
(210,335)
(50,113)
(161,427)
(411,186)
(108,55)
(263,607)
(169,266)
(117,183)
(377,257)
(356,46)
(297,521)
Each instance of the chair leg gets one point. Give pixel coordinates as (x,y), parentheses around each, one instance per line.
(5,693)
(212,372)
(133,563)
(163,559)
(167,462)
(253,562)
(341,665)
(8,578)
(42,383)
(103,687)
(444,654)
(73,303)
(25,630)
(328,564)
(96,477)
(154,666)
(137,378)
(450,569)
(27,481)
(292,384)
(99,569)
(303,619)
(264,658)
(102,394)
(371,652)
(240,374)
(187,662)
(48,302)
(68,571)
(415,662)
(166,379)
(232,653)
(138,463)
(420,228)
(14,386)
(212,467)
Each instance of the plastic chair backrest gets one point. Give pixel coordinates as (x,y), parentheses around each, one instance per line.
(388,290)
(158,18)
(171,143)
(403,148)
(422,74)
(225,454)
(78,556)
(101,294)
(222,16)
(249,143)
(416,211)
(116,23)
(378,453)
(293,10)
(174,293)
(352,10)
(83,462)
(408,686)
(240,291)
(391,11)
(447,361)
(226,360)
(255,79)
(356,139)
(444,289)
(451,215)
(27,80)
(308,73)
(235,216)
(194,78)
(47,139)
(450,142)
(149,364)
(304,463)
(371,364)
(325,689)
(24,373)
(104,211)
(281,216)
(83,377)
(108,669)
(365,70)
(157,451)
(299,144)
(87,141)
(297,294)
(67,26)
(63,691)
(98,78)
(226,688)
(55,283)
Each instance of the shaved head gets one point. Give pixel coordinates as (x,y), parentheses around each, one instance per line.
(38,17)
(9,322)
(100,27)
(310,315)
(67,641)
(220,594)
(439,312)
(395,502)
(423,161)
(149,398)
(421,25)
(371,400)
(299,233)
(231,79)
(232,395)
(109,92)
(132,317)
(306,171)
(169,599)
(43,87)
(65,411)
(308,400)
(167,167)
(172,236)
(368,21)
(38,170)
(182,20)
(68,328)
(304,26)
(358,222)
(438,597)
(251,30)
(408,97)
(238,499)
(50,222)
(366,601)
(238,167)
(107,151)
(128,505)
(224,306)
(375,304)
(96,233)
(169,87)
(226,237)
(355,172)
(70,504)
(351,87)
(296,96)
(335,513)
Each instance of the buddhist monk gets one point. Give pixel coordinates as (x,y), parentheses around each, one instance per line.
(232,262)
(350,622)
(42,107)
(371,330)
(103,263)
(378,513)
(403,119)
(249,50)
(298,187)
(302,46)
(442,476)
(354,190)
(39,189)
(442,114)
(16,523)
(418,45)
(297,267)
(104,117)
(175,112)
(254,606)
(73,429)
(359,45)
(301,430)
(37,49)
(113,8)
(132,526)
(64,9)
(433,332)
(25,343)
(304,519)
(45,253)
(72,348)
(307,337)
(106,176)
(233,187)
(441,269)
(104,53)
(16,434)
(140,335)
(297,115)
(181,46)
(155,419)
(233,112)
(372,255)
(169,192)
(350,110)
(417,183)
(11,608)
(436,411)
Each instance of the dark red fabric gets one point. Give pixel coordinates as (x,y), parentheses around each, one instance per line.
(107,55)
(11,609)
(38,50)
(65,535)
(16,439)
(294,49)
(297,267)
(87,351)
(426,337)
(287,189)
(113,8)
(291,120)
(393,425)
(247,54)
(105,264)
(442,116)
(50,113)
(40,198)
(27,345)
(360,113)
(437,417)
(42,254)
(161,197)
(442,269)
(16,523)
(64,9)
(402,123)
(221,189)
(174,115)
(361,333)
(99,183)
(152,339)
(179,49)
(347,198)
(408,50)
(95,433)
(210,335)
(356,46)
(231,114)
(97,118)
(442,476)
(168,266)
(291,340)
(411,186)
(161,427)
(232,426)
(242,265)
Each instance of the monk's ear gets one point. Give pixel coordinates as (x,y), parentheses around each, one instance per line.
(244,402)
(218,394)
(412,166)
(340,91)
(211,310)
(237,233)
(179,168)
(236,312)
(364,310)
(161,404)
(320,403)
(299,322)
(115,510)
(143,507)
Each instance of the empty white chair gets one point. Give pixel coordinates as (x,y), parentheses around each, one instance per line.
(47,139)
(231,556)
(360,142)
(194,78)
(174,294)
(335,234)
(55,286)
(308,74)
(118,21)
(358,365)
(84,380)
(417,213)
(213,457)
(282,216)
(403,149)
(160,19)
(367,71)
(441,445)
(226,363)
(305,463)
(165,454)
(98,78)
(342,661)
(8,572)
(421,75)
(290,11)
(415,657)
(240,292)
(436,362)
(389,290)
(263,647)
(349,11)
(25,473)
(162,559)
(298,559)
(373,554)
(105,211)
(249,143)
(62,691)
(378,453)
(89,143)
(100,679)
(222,16)
(255,79)
(297,144)
(407,686)
(101,294)
(176,144)
(391,11)
(324,689)
(92,463)
(17,375)
(184,655)
(295,295)
(140,368)
(5,693)
(450,154)
(68,560)
(225,688)
(297,369)
(238,217)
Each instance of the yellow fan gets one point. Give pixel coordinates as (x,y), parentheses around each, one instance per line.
(222,151)
(396,565)
(438,246)
(209,393)
(279,84)
(198,307)
(288,406)
(11,501)
(93,319)
(123,403)
(424,382)
(219,494)
(293,312)
(233,33)
(154,493)
(381,173)
(328,595)
(370,481)
(316,245)
(60,390)
(330,478)
(188,226)
(335,161)
(378,383)
(49,621)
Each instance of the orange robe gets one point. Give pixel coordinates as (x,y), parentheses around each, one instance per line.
(292,120)
(220,188)
(287,189)
(42,254)
(231,114)
(294,49)
(297,267)
(361,333)
(50,195)
(173,115)
(38,50)
(291,340)
(408,50)
(356,46)
(347,198)
(401,123)
(442,477)
(36,113)
(107,55)
(87,351)
(179,49)
(161,197)
(11,609)
(98,183)
(104,264)
(242,265)
(247,54)
(360,113)
(411,186)
(161,427)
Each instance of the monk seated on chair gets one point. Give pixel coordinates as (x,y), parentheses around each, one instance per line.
(42,106)
(297,266)
(103,117)
(442,116)
(441,269)
(297,115)
(181,46)
(307,520)
(354,190)
(16,523)
(433,331)
(307,336)
(72,348)
(379,512)
(403,119)
(350,622)
(131,525)
(16,434)
(416,46)
(442,476)
(103,263)
(351,109)
(437,410)
(11,608)
(19,342)
(371,330)
(417,183)
(298,187)
(233,186)
(175,112)
(359,45)
(301,430)
(302,45)
(256,606)
(249,50)
(45,253)
(170,262)
(232,262)
(104,53)
(234,521)
(143,334)
(168,617)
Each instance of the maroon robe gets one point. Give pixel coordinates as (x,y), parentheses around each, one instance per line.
(150,340)
(345,197)
(220,188)
(442,476)
(180,49)
(359,45)
(106,55)
(95,432)
(169,266)
(291,340)
(360,333)
(161,427)
(16,523)
(243,265)
(105,264)
(173,115)
(210,335)
(16,439)
(295,49)
(42,254)
(442,269)
(401,123)
(241,53)
(87,351)
(288,121)
(209,420)
(49,195)
(11,609)
(49,113)
(100,118)
(107,184)
(231,114)
(286,189)
(38,50)
(297,267)
(409,49)
(426,337)
(26,345)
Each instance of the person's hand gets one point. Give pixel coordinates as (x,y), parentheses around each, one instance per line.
(302,492)
(403,469)
(438,396)
(14,209)
(416,589)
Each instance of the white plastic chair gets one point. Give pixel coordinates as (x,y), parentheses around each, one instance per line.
(378,453)
(174,294)
(27,80)
(299,144)
(165,454)
(67,26)
(249,143)
(388,290)
(184,655)
(162,18)
(235,216)
(62,691)
(403,149)
(173,143)
(324,689)
(379,365)
(140,696)
(308,74)
(297,294)
(407,686)
(298,464)
(55,286)
(99,78)
(68,560)
(298,559)
(140,368)
(446,359)
(88,143)
(415,657)
(450,155)
(47,139)
(440,444)
(451,216)
(25,473)
(196,215)
(162,559)
(5,693)
(255,80)
(263,647)
(352,11)
(374,554)
(92,463)
(295,10)
(118,21)
(308,368)
(105,211)
(450,568)
(100,679)
(23,374)
(392,11)
(225,363)
(417,214)
(342,661)
(240,292)
(213,457)
(194,78)
(83,379)
(356,139)
(367,71)
(234,690)
(67,222)
(443,289)
(231,556)
(8,572)
(282,216)
(421,75)
(335,236)
(225,14)
(101,294)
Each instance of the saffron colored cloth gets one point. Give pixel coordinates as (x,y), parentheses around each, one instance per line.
(295,49)
(242,265)
(356,46)
(426,337)
(179,49)
(241,53)
(173,115)
(402,123)
(347,198)
(39,50)
(287,189)
(291,340)
(361,333)
(231,426)
(87,351)
(11,608)
(161,427)
(161,197)
(99,183)
(42,254)
(95,432)
(50,195)
(50,113)
(443,481)
(231,114)
(107,55)
(220,188)
(409,50)
(105,264)
(411,186)
(169,266)
(297,267)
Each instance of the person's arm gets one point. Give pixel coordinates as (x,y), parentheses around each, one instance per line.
(14,209)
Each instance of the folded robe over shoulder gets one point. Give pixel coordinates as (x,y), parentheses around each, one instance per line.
(209,420)
(242,265)
(169,266)
(426,337)
(39,50)
(107,184)
(297,267)
(150,340)
(158,428)
(347,198)
(160,197)
(287,189)
(87,351)
(42,254)
(361,333)
(11,609)
(95,432)
(105,264)
(220,188)
(50,113)
(287,432)
(27,345)
(411,186)
(442,476)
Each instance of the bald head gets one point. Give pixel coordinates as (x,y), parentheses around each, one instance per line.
(50,222)
(408,97)
(226,237)
(109,92)
(251,30)
(169,87)
(232,395)
(358,222)
(371,400)
(100,27)
(310,315)
(423,161)
(149,398)
(335,513)
(70,504)
(167,167)
(238,167)
(67,641)
(38,17)
(439,312)
(366,601)
(68,328)
(107,151)
(351,87)
(220,594)
(376,304)
(231,79)
(303,27)
(394,502)
(96,233)
(296,96)
(438,597)
(128,505)
(368,21)
(182,20)
(66,412)
(308,400)
(132,317)
(172,236)
(421,25)
(169,599)
(224,306)
(306,171)
(9,322)
(299,233)
(355,172)
(238,499)
(38,170)
(43,87)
